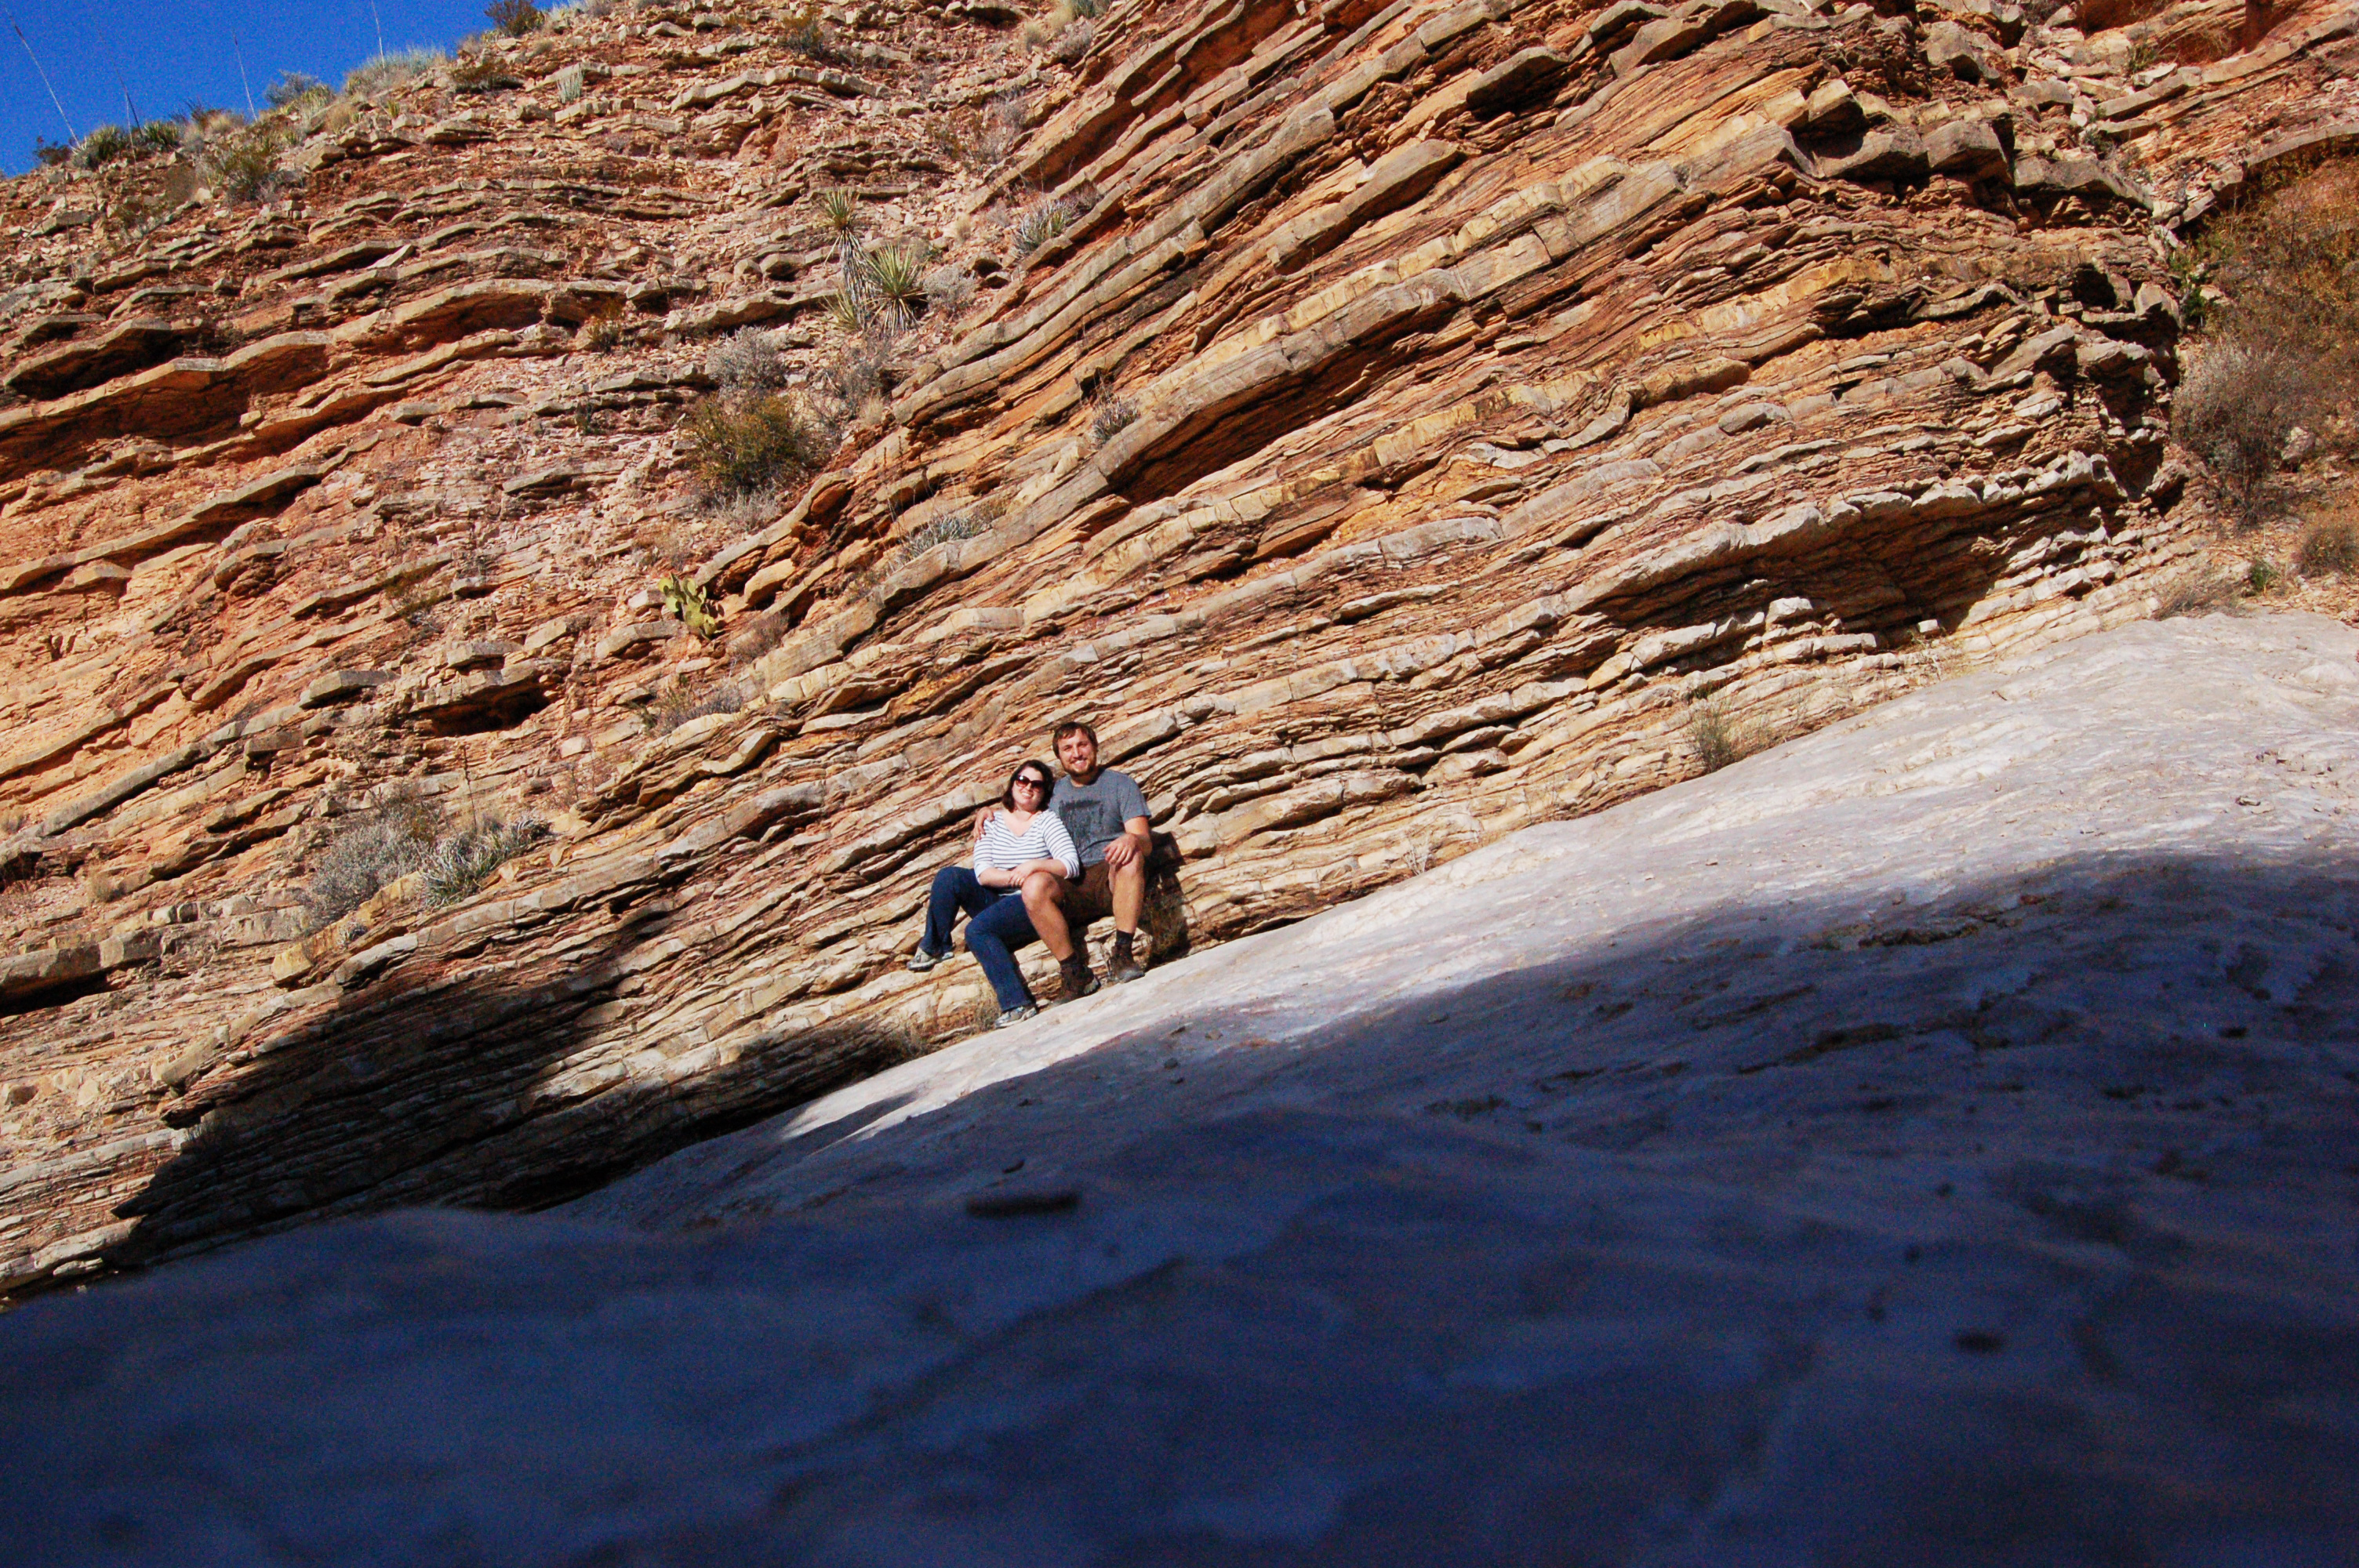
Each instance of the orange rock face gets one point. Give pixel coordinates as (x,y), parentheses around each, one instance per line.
(1390,424)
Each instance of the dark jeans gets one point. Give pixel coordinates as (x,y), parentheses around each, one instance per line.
(998,927)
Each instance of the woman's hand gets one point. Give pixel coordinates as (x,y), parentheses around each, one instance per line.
(993,877)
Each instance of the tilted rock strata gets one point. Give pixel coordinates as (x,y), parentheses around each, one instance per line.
(1425,411)
(1933,1133)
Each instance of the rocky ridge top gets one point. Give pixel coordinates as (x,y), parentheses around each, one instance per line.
(1422,412)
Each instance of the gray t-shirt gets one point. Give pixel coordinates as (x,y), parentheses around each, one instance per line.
(1093,812)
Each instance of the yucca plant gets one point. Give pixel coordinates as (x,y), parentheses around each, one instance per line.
(838,208)
(897,279)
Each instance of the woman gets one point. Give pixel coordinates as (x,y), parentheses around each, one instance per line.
(1023,836)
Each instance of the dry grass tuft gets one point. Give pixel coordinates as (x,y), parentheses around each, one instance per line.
(2328,548)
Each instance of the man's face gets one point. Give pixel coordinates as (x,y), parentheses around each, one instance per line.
(1079,753)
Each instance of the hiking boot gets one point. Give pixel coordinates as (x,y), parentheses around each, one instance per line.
(921,960)
(1016,1015)
(1074,979)
(1122,969)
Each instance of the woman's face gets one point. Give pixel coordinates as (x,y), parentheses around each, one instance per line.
(1030,788)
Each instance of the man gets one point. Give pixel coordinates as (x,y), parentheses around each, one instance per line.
(1106,815)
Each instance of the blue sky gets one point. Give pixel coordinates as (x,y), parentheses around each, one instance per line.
(170,52)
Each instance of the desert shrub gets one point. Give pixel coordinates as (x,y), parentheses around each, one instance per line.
(1002,127)
(677,707)
(383,73)
(2200,592)
(2262,576)
(156,136)
(1052,23)
(514,19)
(1071,43)
(747,364)
(102,146)
(244,166)
(383,846)
(604,331)
(1111,414)
(948,288)
(572,82)
(480,73)
(292,88)
(801,30)
(2328,548)
(2235,410)
(741,448)
(465,861)
(50,154)
(942,531)
(99,884)
(1716,739)
(1040,223)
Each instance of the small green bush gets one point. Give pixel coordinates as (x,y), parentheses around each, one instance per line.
(102,146)
(2262,576)
(1716,739)
(245,167)
(741,447)
(2328,548)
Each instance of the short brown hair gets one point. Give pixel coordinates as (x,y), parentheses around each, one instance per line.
(1073,727)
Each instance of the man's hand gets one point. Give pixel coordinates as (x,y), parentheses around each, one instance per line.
(1131,847)
(981,821)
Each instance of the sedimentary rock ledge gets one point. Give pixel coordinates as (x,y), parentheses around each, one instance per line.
(1394,425)
(1927,1141)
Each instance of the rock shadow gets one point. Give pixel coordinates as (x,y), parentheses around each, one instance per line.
(448,1093)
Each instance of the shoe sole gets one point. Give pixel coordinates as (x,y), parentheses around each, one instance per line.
(1123,976)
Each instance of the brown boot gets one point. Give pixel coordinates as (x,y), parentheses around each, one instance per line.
(1074,979)
(1122,965)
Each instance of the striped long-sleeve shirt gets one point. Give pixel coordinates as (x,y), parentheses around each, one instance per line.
(1043,838)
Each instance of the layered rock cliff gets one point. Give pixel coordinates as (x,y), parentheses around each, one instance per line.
(1409,420)
(1927,1143)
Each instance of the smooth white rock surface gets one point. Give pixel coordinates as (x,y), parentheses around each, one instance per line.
(1930,1141)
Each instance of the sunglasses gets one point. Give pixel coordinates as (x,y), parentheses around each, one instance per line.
(1024,779)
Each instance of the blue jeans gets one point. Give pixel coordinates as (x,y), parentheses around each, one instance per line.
(997,927)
